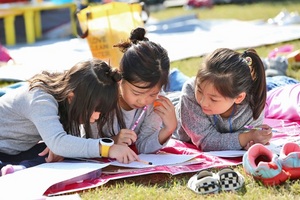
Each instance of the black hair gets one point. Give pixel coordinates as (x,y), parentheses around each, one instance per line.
(144,62)
(232,73)
(95,87)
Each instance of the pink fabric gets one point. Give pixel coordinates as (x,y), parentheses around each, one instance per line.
(4,55)
(173,146)
(283,103)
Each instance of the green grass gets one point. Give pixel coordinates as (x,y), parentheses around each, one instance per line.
(165,186)
(262,10)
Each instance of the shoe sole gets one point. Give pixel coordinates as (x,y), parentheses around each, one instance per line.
(276,180)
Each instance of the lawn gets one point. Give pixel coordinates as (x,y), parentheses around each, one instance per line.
(263,10)
(164,186)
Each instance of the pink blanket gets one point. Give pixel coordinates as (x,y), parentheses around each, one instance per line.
(287,129)
(175,147)
(283,103)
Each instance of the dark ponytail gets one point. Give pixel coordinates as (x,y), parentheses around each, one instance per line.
(258,89)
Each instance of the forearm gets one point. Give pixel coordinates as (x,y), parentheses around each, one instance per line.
(164,135)
(245,138)
(148,143)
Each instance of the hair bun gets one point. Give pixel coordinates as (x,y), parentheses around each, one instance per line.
(138,34)
(115,75)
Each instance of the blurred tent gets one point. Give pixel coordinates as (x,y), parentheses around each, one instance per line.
(51,19)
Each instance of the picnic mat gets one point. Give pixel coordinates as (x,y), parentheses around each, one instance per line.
(183,37)
(51,179)
(201,161)
(72,177)
(287,131)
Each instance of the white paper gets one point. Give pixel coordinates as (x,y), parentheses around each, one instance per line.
(156,159)
(32,183)
(227,153)
(276,144)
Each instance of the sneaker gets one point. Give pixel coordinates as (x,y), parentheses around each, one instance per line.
(9,169)
(207,182)
(204,182)
(290,159)
(263,165)
(230,180)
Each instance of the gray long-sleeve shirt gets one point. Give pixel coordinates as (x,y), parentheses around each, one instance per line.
(147,129)
(27,117)
(210,132)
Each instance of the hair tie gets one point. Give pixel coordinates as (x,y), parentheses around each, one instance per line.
(248,61)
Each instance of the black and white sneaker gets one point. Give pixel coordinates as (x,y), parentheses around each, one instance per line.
(204,182)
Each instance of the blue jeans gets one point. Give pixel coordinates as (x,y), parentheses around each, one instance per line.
(277,81)
(27,158)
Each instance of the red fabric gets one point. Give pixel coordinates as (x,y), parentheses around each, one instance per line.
(200,3)
(174,147)
(4,55)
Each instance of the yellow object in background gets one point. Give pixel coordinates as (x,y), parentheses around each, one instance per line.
(106,25)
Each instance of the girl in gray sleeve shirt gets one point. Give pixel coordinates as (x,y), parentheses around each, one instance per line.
(228,93)
(50,108)
(146,120)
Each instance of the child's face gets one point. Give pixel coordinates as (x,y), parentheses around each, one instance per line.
(211,101)
(135,97)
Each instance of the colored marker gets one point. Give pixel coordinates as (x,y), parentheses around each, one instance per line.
(139,118)
(257,128)
(145,162)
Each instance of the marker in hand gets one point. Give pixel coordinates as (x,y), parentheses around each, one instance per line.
(139,118)
(145,162)
(258,128)
(157,103)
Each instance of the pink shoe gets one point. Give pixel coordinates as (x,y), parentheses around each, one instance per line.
(290,159)
(264,166)
(9,169)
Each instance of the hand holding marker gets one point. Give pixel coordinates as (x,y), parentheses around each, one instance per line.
(139,118)
(157,103)
(258,128)
(134,126)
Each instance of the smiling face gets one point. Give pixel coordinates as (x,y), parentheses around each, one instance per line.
(211,101)
(133,97)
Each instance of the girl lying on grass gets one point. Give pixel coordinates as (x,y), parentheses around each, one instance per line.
(228,93)
(51,108)
(147,119)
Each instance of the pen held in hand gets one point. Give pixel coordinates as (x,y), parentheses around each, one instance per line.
(258,128)
(139,118)
(145,162)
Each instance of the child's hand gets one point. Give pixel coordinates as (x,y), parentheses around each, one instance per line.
(248,145)
(122,154)
(125,137)
(262,136)
(166,110)
(51,156)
